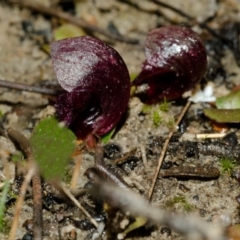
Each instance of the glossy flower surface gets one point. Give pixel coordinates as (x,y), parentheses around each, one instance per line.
(96,85)
(176,61)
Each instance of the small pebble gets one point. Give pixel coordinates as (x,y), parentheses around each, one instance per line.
(183,188)
(202,212)
(28,224)
(166,230)
(27,236)
(124,223)
(223,219)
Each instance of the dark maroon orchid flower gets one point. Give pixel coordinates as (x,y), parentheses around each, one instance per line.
(96,85)
(176,61)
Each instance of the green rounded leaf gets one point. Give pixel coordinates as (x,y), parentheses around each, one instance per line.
(67,31)
(53,145)
(223,115)
(230,101)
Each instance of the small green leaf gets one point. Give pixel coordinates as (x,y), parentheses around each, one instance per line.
(18,157)
(164,106)
(181,200)
(223,115)
(107,137)
(157,118)
(227,164)
(133,76)
(230,101)
(67,31)
(53,145)
(146,108)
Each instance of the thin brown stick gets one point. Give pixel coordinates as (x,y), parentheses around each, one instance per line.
(76,172)
(37,207)
(189,17)
(19,203)
(18,137)
(178,11)
(123,159)
(129,201)
(36,183)
(164,149)
(209,135)
(69,18)
(75,201)
(27,88)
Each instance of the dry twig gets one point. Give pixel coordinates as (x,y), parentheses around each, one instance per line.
(189,17)
(75,201)
(19,203)
(36,184)
(27,88)
(69,18)
(164,149)
(76,172)
(129,201)
(209,135)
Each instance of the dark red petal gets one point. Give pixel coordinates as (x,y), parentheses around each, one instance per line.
(96,81)
(176,61)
